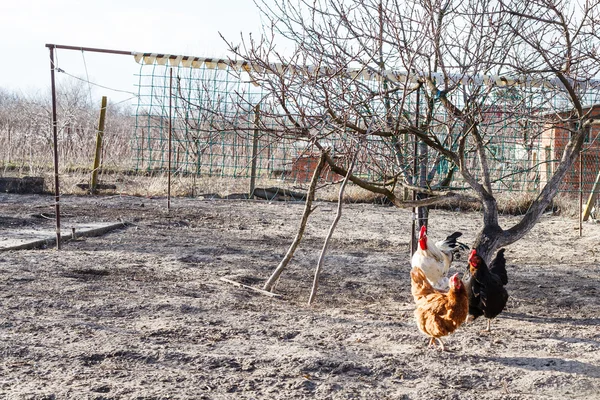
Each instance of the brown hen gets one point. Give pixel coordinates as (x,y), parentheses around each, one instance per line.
(438,313)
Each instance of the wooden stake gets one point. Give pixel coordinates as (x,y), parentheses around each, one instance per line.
(591,199)
(263,292)
(99,136)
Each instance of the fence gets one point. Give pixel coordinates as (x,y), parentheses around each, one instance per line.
(212,110)
(221,124)
(211,134)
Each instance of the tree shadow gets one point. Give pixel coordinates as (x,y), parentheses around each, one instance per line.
(551,320)
(548,364)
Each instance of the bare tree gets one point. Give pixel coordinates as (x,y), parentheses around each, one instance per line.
(440,77)
(25,129)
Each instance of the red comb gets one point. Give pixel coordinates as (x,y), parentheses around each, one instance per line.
(423,230)
(454,280)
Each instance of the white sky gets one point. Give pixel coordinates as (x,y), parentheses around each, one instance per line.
(189,27)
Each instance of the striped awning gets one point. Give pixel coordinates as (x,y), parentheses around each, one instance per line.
(365,73)
(190,61)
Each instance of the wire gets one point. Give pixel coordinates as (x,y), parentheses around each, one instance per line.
(56,61)
(134,95)
(60,70)
(87,77)
(123,101)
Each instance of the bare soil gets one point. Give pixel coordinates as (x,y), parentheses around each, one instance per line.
(141,313)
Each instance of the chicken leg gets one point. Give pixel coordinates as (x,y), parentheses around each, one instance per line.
(488,329)
(442,347)
(432,343)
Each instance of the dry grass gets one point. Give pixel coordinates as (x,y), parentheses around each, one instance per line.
(509,203)
(352,194)
(156,185)
(518,203)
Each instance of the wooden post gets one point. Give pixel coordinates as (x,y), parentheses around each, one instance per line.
(592,199)
(254,151)
(99,136)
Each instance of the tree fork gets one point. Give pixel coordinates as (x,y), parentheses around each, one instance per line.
(270,284)
(315,286)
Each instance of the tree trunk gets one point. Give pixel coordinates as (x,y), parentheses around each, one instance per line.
(492,236)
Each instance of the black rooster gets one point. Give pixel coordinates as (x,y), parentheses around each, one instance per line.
(485,286)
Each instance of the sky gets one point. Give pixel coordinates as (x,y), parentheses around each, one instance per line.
(187,27)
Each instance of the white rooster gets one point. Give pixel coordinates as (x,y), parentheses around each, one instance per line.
(435,259)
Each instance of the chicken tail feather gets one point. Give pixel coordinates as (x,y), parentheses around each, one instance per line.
(498,266)
(450,245)
(419,285)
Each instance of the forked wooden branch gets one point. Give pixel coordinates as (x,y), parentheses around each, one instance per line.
(315,286)
(338,215)
(270,284)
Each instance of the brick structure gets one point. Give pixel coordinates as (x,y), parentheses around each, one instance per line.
(305,165)
(554,140)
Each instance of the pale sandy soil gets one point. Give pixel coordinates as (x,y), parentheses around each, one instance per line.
(141,313)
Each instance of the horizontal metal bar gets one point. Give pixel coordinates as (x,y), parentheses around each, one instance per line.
(91,49)
(368,72)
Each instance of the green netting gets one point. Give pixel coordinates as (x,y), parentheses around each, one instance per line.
(199,97)
(522,149)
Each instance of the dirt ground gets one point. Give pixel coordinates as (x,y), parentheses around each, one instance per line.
(141,313)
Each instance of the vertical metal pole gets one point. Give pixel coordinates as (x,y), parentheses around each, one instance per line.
(580,195)
(55,143)
(386,95)
(413,235)
(170,139)
(254,150)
